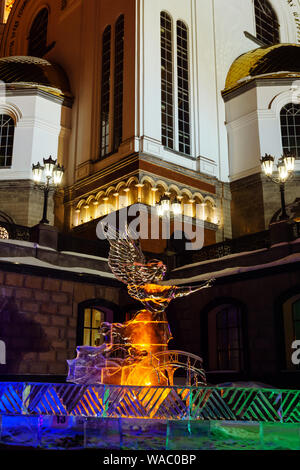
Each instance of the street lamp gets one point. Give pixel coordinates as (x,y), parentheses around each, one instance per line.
(165,206)
(285,168)
(53,174)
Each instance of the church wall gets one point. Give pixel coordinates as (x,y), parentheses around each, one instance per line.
(88,130)
(253,125)
(215,42)
(41,129)
(68,52)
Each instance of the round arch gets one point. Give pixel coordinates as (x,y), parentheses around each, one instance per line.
(11,110)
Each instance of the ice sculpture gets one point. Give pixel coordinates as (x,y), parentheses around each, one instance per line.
(136,352)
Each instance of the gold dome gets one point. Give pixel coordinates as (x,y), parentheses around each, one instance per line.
(280,60)
(33,71)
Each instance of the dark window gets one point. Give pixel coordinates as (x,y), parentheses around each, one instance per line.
(167,100)
(267,26)
(105,92)
(38,35)
(290,128)
(229,339)
(7,131)
(183,89)
(118,82)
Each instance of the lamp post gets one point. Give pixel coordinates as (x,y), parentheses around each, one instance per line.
(285,168)
(165,206)
(52,174)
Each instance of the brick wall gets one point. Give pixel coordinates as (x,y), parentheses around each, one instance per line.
(38,321)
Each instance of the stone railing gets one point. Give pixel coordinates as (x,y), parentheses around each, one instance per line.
(255,241)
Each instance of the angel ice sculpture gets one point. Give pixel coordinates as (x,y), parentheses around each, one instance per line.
(136,352)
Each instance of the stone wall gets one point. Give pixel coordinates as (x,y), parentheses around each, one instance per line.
(259,292)
(24,203)
(38,319)
(255,200)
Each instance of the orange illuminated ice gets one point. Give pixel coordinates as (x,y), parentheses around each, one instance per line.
(136,352)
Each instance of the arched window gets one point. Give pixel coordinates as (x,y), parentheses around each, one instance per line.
(175,87)
(290,128)
(267,26)
(118,82)
(37,46)
(7,131)
(105,91)
(183,89)
(167,100)
(226,343)
(291,322)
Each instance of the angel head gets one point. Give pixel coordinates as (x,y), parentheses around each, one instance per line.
(158,268)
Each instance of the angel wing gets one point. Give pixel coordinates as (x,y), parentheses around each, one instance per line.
(125,255)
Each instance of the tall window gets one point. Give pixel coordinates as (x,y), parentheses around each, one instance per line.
(183,89)
(167,118)
(105,91)
(226,344)
(7,131)
(118,82)
(37,46)
(229,339)
(267,26)
(175,93)
(290,128)
(92,320)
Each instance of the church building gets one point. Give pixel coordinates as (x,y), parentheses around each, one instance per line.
(152,102)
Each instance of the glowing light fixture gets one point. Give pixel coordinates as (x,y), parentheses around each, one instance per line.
(58,174)
(165,206)
(176,206)
(165,203)
(49,165)
(53,173)
(37,172)
(159,209)
(267,164)
(289,161)
(285,168)
(282,170)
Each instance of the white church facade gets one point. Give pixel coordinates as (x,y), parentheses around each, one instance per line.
(143,99)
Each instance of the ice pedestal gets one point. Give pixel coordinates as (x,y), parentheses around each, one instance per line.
(74,432)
